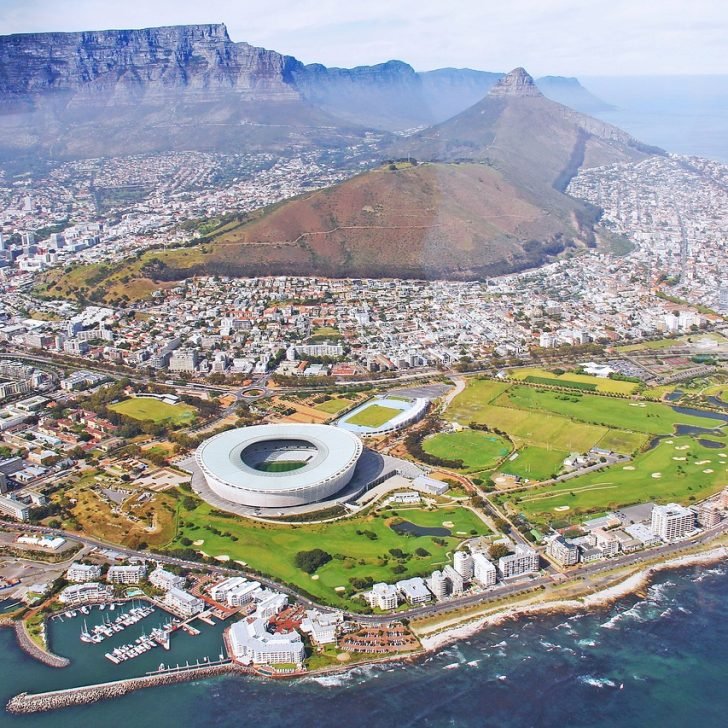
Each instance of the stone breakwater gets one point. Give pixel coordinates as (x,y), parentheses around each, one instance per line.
(33,650)
(26,703)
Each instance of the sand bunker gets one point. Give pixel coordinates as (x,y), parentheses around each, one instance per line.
(628,467)
(675,457)
(702,462)
(669,442)
(708,471)
(223,557)
(448,524)
(315,576)
(562,508)
(339,588)
(242,563)
(656,475)
(682,447)
(199,542)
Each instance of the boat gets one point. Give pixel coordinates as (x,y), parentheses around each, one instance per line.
(85,634)
(102,606)
(112,606)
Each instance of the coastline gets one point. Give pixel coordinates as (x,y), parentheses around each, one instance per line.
(598,600)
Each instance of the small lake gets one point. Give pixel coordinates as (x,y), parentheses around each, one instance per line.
(712,444)
(691,430)
(674,396)
(700,413)
(410,529)
(717,402)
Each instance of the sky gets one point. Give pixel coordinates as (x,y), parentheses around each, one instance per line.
(560,37)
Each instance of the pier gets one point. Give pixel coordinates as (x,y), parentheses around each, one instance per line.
(26,703)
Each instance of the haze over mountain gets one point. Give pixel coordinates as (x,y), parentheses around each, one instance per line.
(74,95)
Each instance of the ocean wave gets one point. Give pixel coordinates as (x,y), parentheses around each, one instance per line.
(586,643)
(597,682)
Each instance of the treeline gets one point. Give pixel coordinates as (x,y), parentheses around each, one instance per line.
(413,443)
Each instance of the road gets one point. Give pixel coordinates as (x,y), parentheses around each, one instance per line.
(544,578)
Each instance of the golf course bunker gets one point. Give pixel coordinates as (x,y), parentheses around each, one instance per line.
(707,471)
(405,528)
(561,509)
(628,467)
(656,475)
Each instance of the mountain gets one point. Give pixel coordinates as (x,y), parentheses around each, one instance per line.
(120,92)
(113,92)
(569,92)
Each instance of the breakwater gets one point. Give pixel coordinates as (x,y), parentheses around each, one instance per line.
(26,703)
(32,649)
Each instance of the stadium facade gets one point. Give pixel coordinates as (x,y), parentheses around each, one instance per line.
(279,465)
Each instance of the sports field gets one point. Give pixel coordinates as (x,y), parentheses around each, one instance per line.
(148,408)
(468,405)
(375,415)
(360,546)
(649,417)
(679,469)
(599,384)
(333,406)
(478,450)
(535,463)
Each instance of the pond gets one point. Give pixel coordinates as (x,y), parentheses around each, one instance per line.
(405,528)
(712,444)
(674,396)
(700,413)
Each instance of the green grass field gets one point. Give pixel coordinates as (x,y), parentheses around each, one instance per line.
(468,405)
(675,470)
(585,386)
(478,450)
(271,549)
(148,408)
(600,384)
(648,417)
(333,406)
(622,441)
(281,466)
(535,463)
(375,415)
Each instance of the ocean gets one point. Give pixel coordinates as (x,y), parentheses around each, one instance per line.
(681,114)
(653,661)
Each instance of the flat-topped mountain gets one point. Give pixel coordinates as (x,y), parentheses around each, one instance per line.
(114,92)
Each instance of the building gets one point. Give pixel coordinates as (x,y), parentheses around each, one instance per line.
(484,570)
(606,541)
(269,603)
(642,533)
(11,507)
(437,584)
(563,552)
(455,581)
(183,603)
(709,515)
(79,573)
(165,580)
(383,596)
(251,642)
(219,592)
(463,562)
(414,590)
(672,522)
(242,594)
(523,561)
(243,465)
(131,574)
(321,626)
(183,360)
(91,591)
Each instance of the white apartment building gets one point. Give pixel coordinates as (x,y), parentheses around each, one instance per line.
(414,590)
(564,553)
(321,626)
(383,596)
(484,570)
(79,573)
(165,580)
(523,561)
(464,564)
(82,593)
(455,581)
(183,602)
(132,574)
(251,642)
(672,522)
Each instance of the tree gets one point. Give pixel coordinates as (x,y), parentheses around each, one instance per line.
(310,561)
(497,550)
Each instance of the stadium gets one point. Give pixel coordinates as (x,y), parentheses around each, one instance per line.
(383,415)
(279,466)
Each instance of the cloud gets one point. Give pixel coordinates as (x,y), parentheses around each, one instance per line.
(570,37)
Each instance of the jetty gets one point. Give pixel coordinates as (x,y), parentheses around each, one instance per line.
(26,703)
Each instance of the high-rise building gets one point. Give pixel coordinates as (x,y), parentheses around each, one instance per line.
(438,584)
(523,561)
(383,596)
(455,581)
(464,564)
(672,521)
(484,570)
(709,515)
(563,552)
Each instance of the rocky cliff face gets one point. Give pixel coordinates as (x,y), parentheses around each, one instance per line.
(153,61)
(516,83)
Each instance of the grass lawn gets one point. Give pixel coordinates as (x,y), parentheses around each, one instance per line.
(148,408)
(468,406)
(271,549)
(649,417)
(333,406)
(536,428)
(327,331)
(599,384)
(681,463)
(281,466)
(375,415)
(478,450)
(622,441)
(535,463)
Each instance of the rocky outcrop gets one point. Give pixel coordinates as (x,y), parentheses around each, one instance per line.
(516,83)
